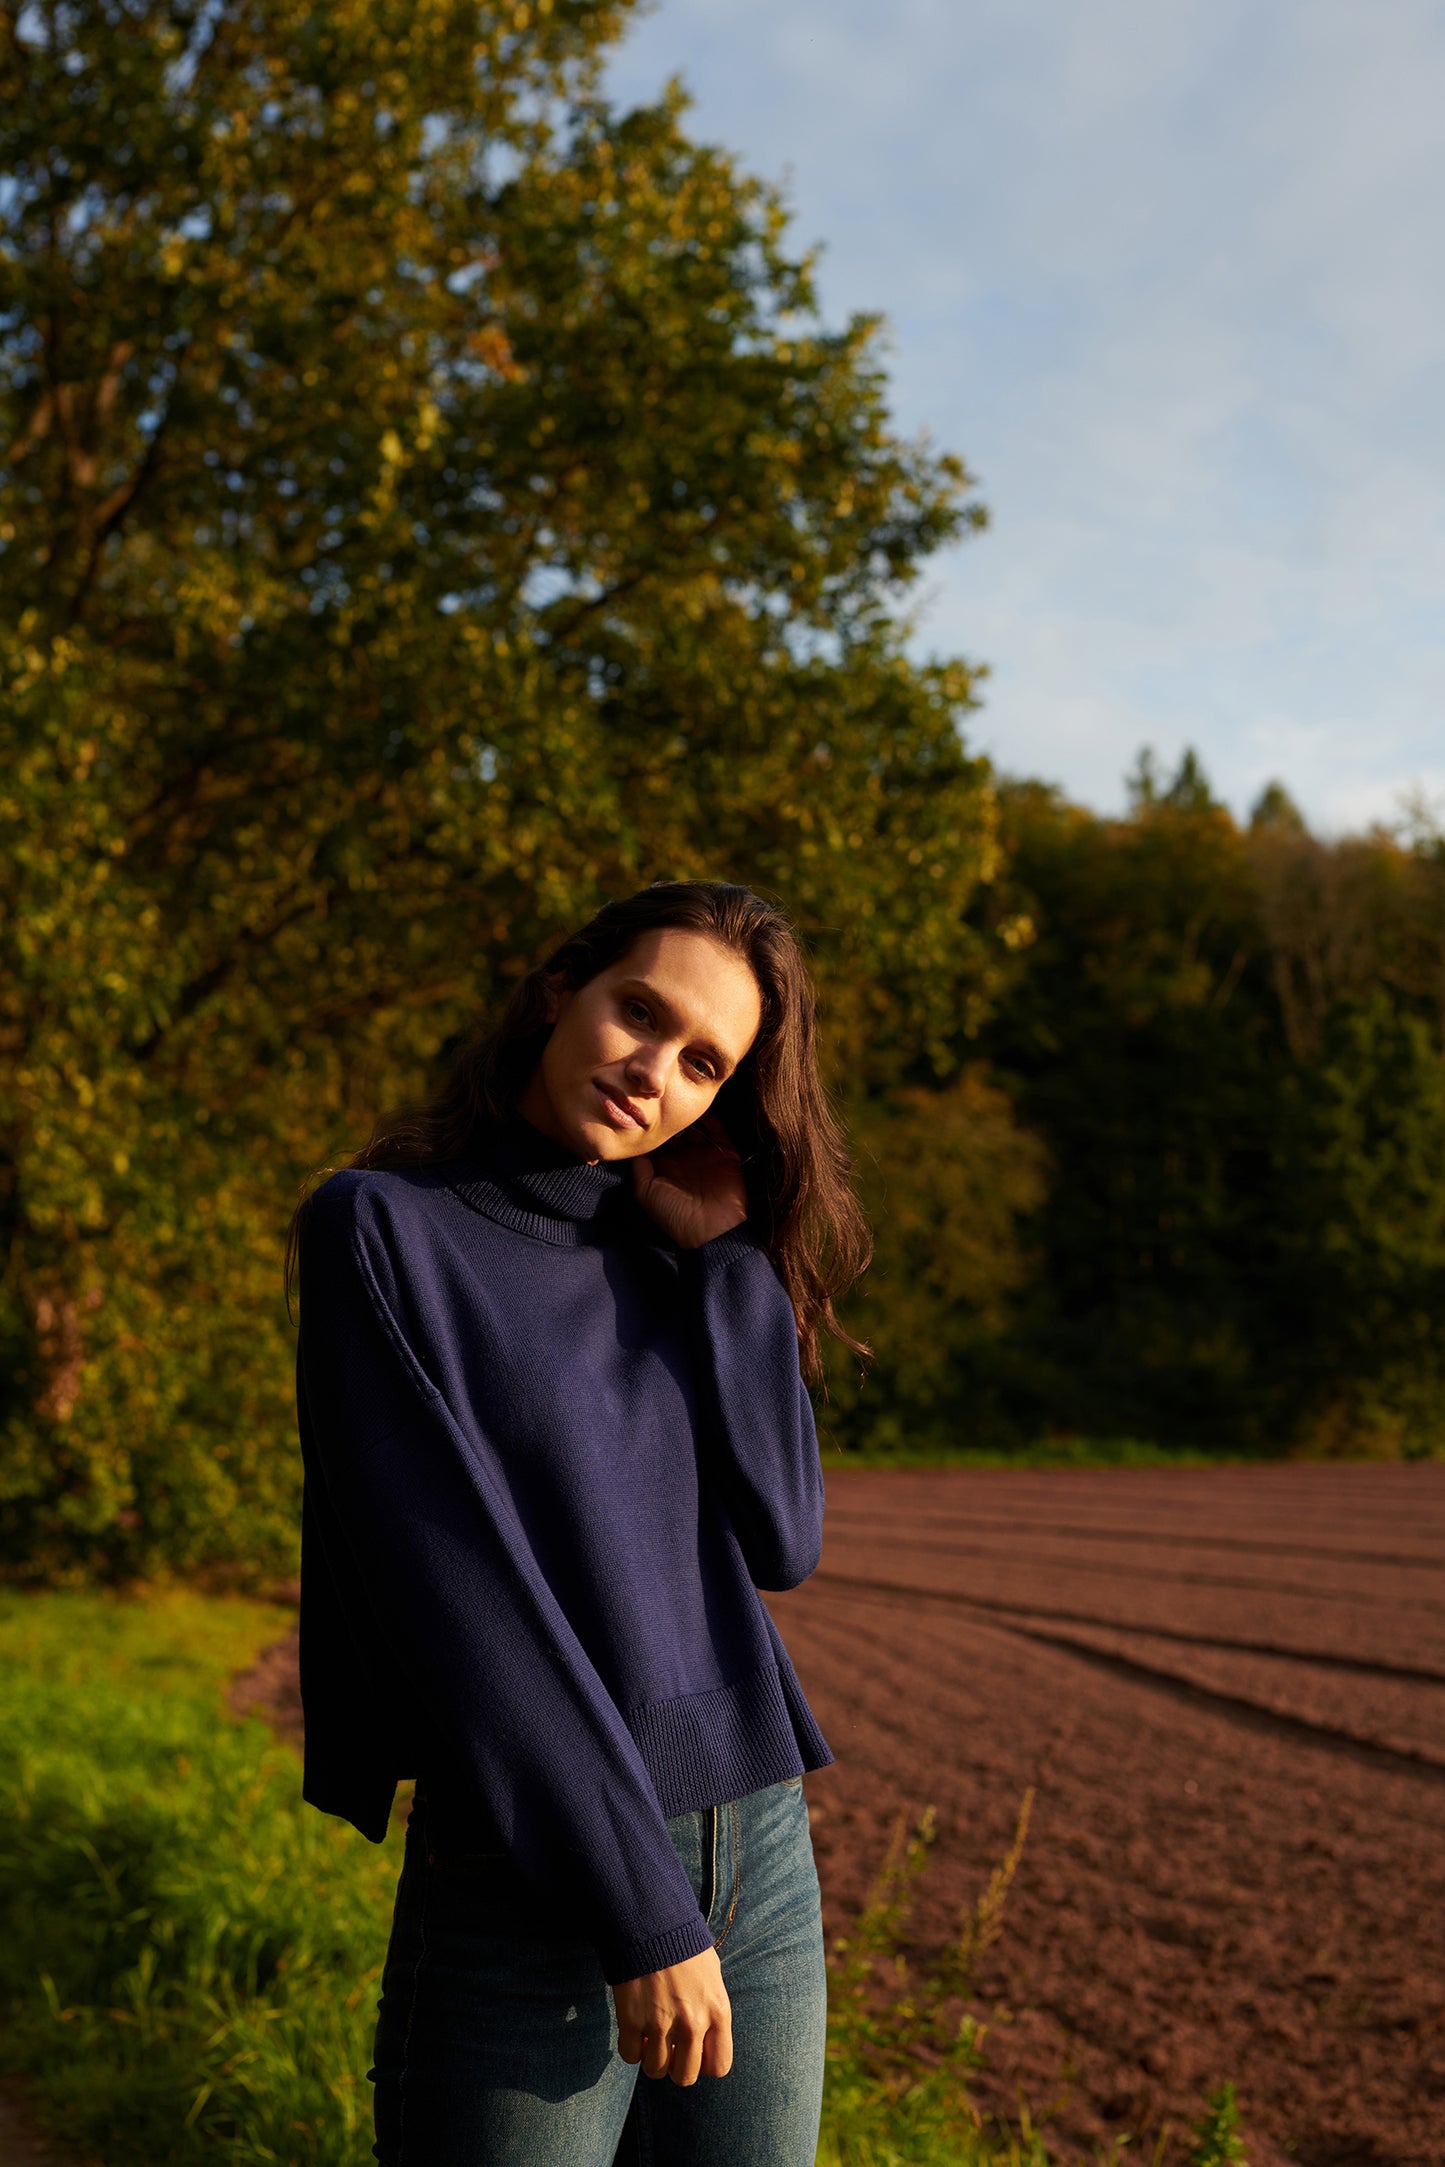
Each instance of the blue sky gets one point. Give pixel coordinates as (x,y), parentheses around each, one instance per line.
(1170,275)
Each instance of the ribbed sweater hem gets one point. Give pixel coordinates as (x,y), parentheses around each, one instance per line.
(703,1749)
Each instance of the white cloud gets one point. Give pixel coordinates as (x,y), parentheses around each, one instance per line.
(1173,280)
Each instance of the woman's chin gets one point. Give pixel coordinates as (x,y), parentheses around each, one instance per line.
(596,1138)
(603,1142)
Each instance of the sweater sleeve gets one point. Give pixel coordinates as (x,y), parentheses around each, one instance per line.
(759,1437)
(467,1614)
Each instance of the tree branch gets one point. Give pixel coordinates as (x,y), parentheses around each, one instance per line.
(205,983)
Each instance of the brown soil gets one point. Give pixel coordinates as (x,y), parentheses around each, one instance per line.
(22,2144)
(1228,1687)
(272,1688)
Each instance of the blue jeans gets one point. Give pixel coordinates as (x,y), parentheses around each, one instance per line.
(496,2044)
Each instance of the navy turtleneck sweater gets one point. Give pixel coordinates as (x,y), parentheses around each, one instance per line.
(549,1460)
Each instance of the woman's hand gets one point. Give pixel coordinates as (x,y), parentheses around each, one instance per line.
(694,1186)
(677,2022)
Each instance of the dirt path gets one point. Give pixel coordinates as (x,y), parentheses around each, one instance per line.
(1229,1688)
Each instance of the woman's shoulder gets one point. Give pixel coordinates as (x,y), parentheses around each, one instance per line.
(365,1201)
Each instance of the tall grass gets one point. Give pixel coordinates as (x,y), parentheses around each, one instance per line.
(189,1959)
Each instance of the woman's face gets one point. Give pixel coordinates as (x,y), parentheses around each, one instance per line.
(642,1050)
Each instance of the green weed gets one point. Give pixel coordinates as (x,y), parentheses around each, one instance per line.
(902,2049)
(1217,2139)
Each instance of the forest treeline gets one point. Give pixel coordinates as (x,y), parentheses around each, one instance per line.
(1189,1186)
(430,502)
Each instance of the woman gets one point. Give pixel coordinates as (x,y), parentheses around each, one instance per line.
(555,1436)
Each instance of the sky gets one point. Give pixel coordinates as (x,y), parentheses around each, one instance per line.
(1170,276)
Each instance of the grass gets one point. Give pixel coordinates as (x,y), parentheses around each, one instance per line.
(1047,1452)
(190,1958)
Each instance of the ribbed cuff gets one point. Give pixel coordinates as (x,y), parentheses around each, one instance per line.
(623,1960)
(739,1241)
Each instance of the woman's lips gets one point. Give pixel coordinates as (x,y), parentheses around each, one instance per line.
(618,1111)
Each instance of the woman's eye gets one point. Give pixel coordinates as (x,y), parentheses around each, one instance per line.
(706,1071)
(634,1012)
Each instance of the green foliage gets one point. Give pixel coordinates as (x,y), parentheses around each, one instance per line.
(431,505)
(1229,1043)
(191,1959)
(1364,1259)
(1217,2139)
(1131,1053)
(949,1178)
(1275,808)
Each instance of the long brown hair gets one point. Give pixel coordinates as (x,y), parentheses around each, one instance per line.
(795,1159)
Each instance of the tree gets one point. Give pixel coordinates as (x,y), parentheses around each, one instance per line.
(1275,808)
(1229,1042)
(950,1180)
(1361,1256)
(429,504)
(1136,1042)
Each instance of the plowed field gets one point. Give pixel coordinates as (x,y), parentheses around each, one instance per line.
(1228,1687)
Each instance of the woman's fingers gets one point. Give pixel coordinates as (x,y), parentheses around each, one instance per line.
(687,2046)
(717,2048)
(694,1189)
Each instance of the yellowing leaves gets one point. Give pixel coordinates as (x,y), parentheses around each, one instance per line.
(493,349)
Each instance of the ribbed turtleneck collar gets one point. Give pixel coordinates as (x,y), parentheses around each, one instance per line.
(525,1181)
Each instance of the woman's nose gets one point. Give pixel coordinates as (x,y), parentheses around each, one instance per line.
(646,1072)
